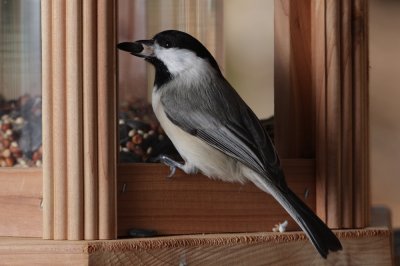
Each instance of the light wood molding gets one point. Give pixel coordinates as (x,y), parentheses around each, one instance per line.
(321,94)
(333,116)
(107,117)
(79,72)
(58,108)
(74,111)
(347,185)
(341,85)
(47,103)
(90,115)
(360,72)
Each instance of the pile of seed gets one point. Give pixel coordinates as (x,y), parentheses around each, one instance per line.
(20,132)
(141,137)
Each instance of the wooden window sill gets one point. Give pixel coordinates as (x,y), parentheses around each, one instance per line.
(368,246)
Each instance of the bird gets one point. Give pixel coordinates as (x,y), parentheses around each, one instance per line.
(214,130)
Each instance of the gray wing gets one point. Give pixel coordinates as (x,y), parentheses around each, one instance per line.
(216,114)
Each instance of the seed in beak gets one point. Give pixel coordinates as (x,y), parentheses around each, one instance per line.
(132,47)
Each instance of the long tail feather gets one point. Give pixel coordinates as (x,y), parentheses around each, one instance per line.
(320,235)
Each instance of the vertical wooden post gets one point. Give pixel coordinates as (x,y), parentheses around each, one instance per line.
(347,117)
(293,80)
(78,84)
(341,85)
(329,39)
(361,118)
(48,183)
(74,118)
(90,117)
(333,113)
(107,110)
(58,56)
(282,72)
(318,62)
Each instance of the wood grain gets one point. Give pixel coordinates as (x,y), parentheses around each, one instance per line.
(294,100)
(59,119)
(347,182)
(74,121)
(361,247)
(80,61)
(20,202)
(361,136)
(318,62)
(21,216)
(34,251)
(90,118)
(24,182)
(195,204)
(107,111)
(369,247)
(365,114)
(333,113)
(303,103)
(47,122)
(340,78)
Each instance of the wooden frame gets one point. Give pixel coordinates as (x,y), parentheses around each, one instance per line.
(79,94)
(321,84)
(321,60)
(317,87)
(138,181)
(340,82)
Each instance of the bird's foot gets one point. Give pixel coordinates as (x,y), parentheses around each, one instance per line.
(171,163)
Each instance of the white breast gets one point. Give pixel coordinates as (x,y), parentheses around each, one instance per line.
(197,153)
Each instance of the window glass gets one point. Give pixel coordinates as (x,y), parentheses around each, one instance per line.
(20,84)
(238,33)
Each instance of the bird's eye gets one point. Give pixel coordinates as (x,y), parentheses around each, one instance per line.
(166,44)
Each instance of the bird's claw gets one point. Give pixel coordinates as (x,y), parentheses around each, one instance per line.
(171,163)
(172,170)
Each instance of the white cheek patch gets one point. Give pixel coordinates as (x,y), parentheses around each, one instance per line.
(177,60)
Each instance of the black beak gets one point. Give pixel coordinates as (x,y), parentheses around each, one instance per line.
(142,48)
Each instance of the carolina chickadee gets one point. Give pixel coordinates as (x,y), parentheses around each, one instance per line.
(214,130)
